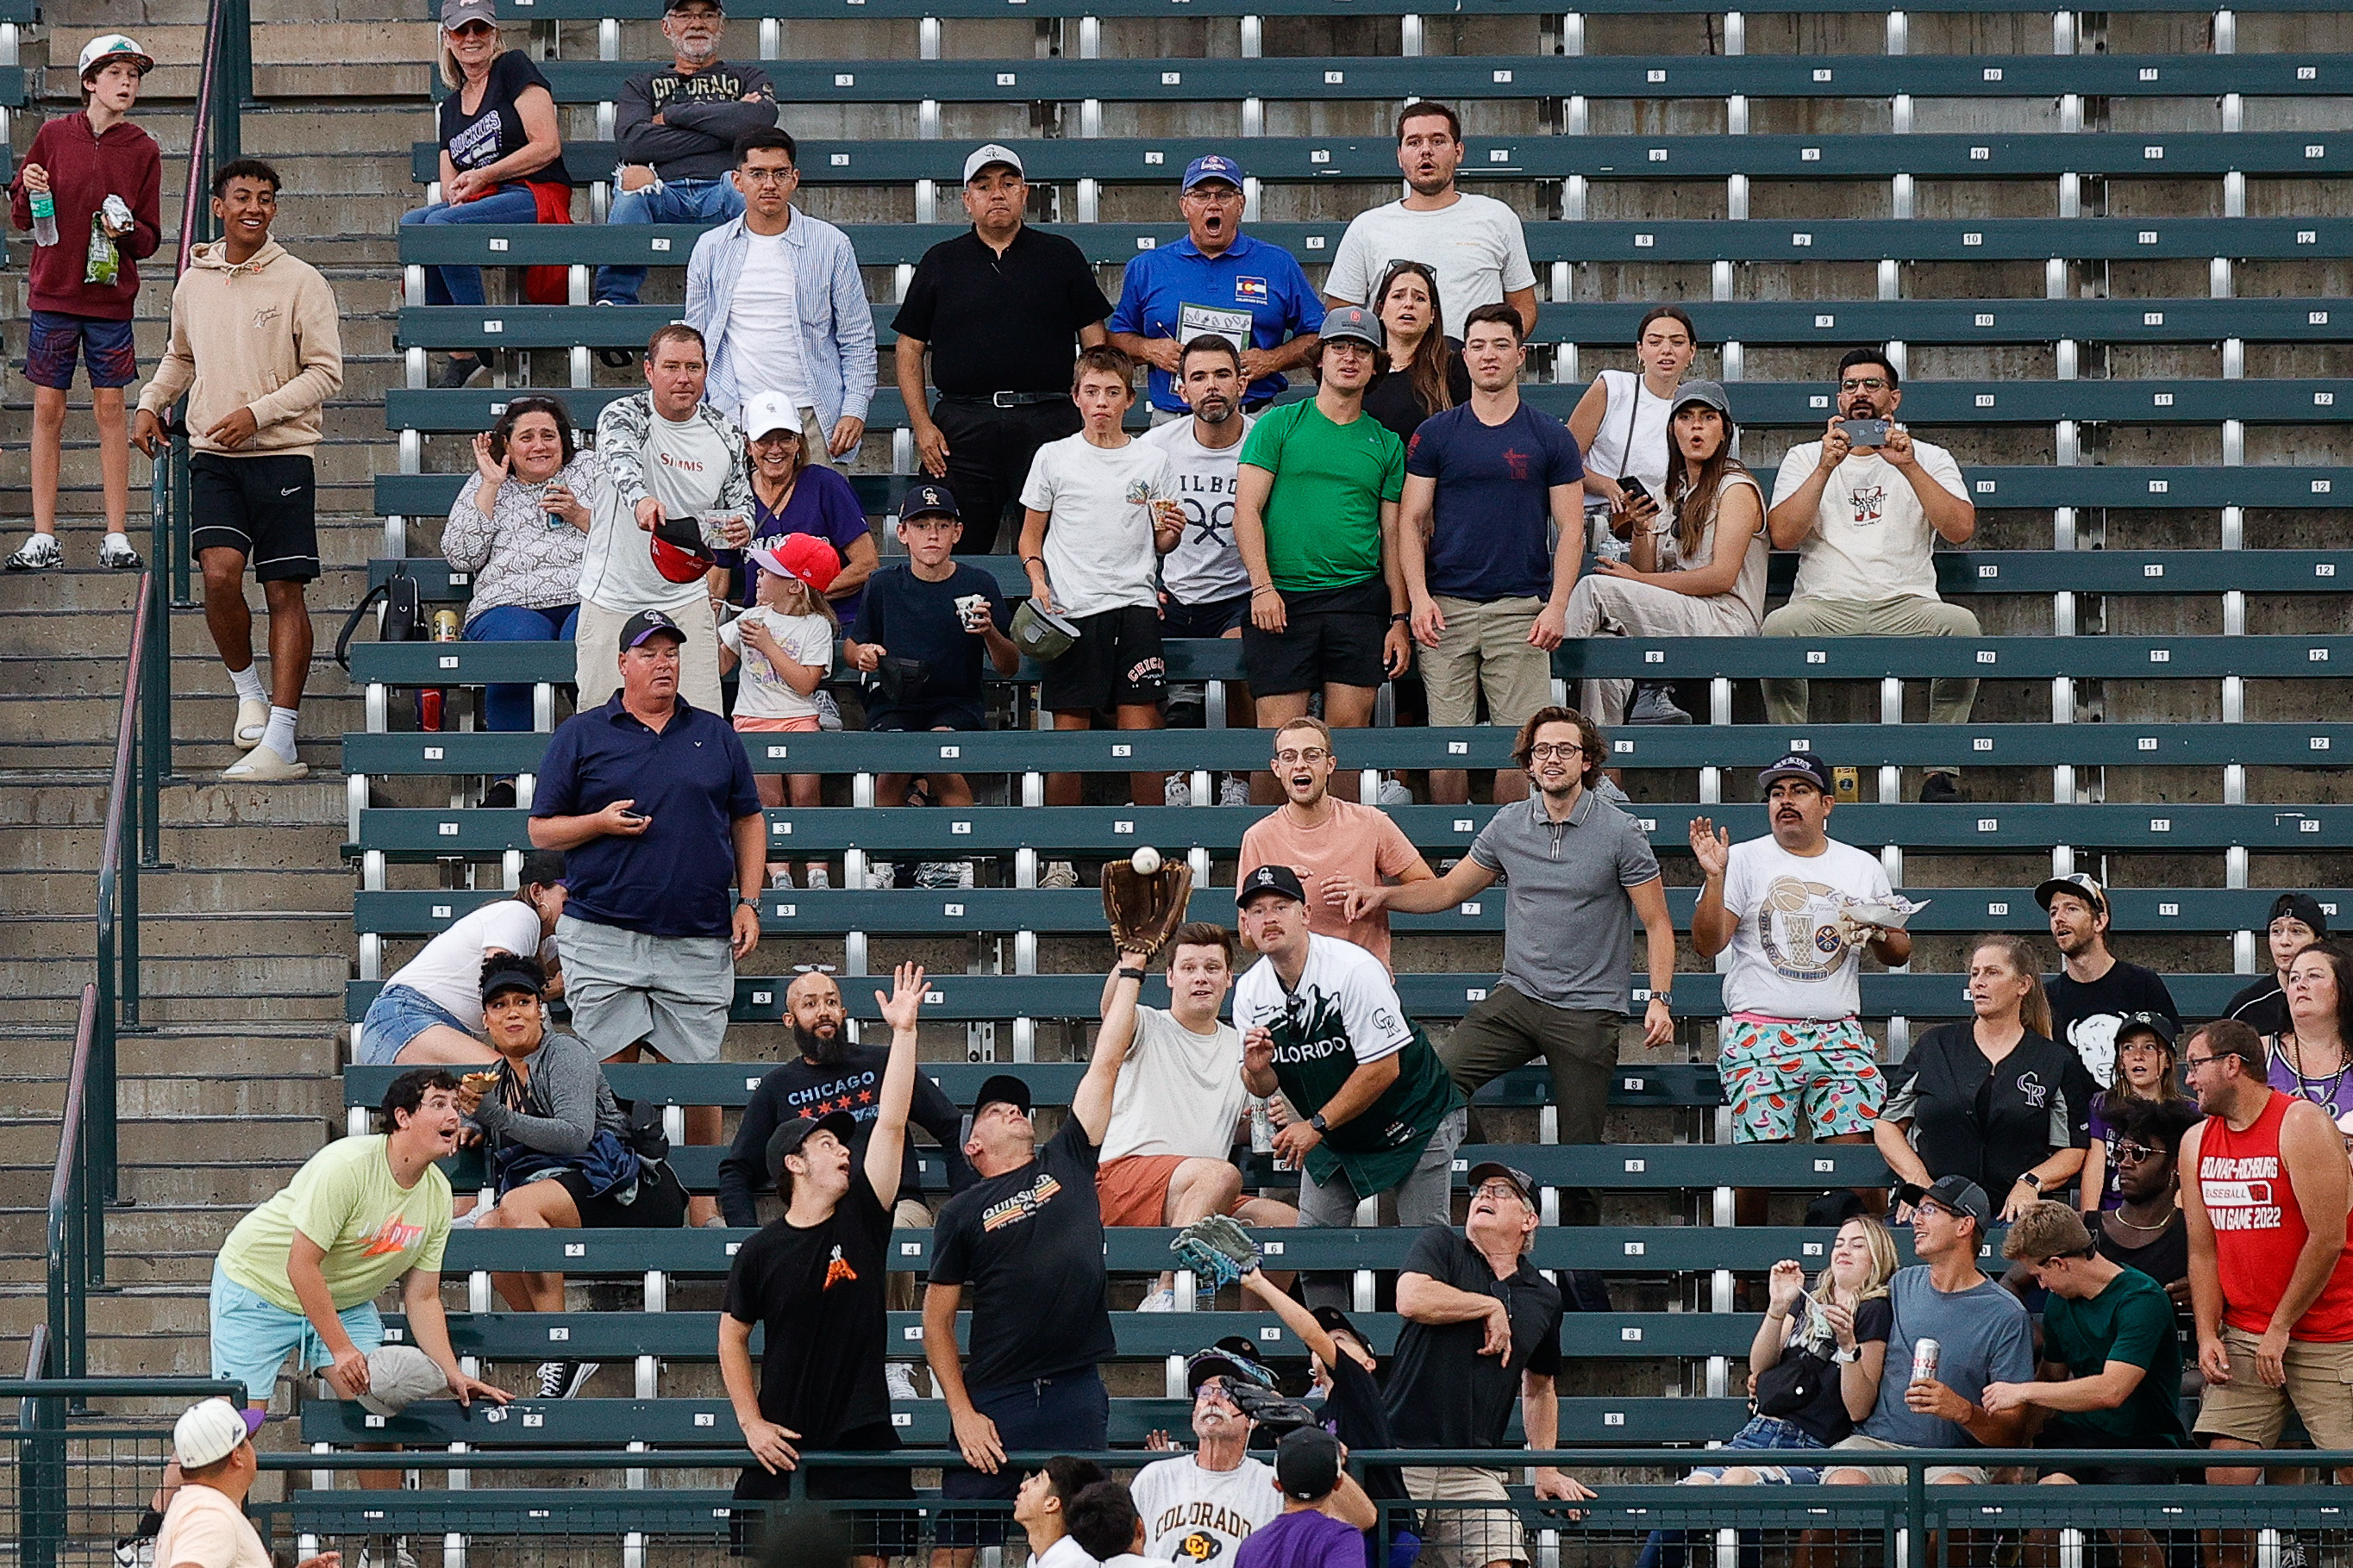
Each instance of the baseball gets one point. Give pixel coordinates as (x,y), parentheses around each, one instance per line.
(1145,860)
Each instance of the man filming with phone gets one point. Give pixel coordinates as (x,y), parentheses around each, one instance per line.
(1863,508)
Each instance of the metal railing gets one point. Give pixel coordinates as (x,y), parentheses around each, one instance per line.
(69,1489)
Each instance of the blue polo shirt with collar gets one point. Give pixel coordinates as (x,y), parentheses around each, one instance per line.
(693,776)
(1253,278)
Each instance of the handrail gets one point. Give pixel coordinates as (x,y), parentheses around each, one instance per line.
(69,1225)
(215,30)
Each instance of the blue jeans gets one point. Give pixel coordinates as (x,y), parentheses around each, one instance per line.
(1070,1412)
(1685,1549)
(673,201)
(507,706)
(463,285)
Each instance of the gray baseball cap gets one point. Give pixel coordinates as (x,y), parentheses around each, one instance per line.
(1709,393)
(1355,322)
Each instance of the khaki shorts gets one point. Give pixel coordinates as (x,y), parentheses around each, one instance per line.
(597,653)
(1486,647)
(1893,1475)
(2319,1384)
(1465,1537)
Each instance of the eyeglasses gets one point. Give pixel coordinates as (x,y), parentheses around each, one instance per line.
(1924,1209)
(767,176)
(1543,749)
(1499,1189)
(1309,754)
(1218,193)
(814,969)
(472,30)
(1863,383)
(2133,1153)
(2191,1064)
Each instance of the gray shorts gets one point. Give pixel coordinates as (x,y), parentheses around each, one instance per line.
(671,992)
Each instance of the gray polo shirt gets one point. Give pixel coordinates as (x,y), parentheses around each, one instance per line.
(1568,929)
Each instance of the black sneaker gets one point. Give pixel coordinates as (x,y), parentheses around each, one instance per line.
(1941,789)
(500,794)
(457,370)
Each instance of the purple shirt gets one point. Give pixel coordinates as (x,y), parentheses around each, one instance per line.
(1307,1539)
(2333,1095)
(2107,1134)
(821,503)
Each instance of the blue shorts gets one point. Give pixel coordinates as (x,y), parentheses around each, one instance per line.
(397,1015)
(251,1337)
(51,338)
(1070,1412)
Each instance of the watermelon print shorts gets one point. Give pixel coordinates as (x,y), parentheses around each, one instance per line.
(1771,1067)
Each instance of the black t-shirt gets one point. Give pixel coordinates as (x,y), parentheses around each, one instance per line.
(1028,1247)
(1390,399)
(2164,1256)
(1990,1121)
(495,129)
(2261,1006)
(2086,1016)
(1442,1393)
(1001,324)
(915,620)
(803,1087)
(818,1294)
(1825,1416)
(1356,1413)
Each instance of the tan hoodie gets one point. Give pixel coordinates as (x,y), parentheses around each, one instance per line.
(262,335)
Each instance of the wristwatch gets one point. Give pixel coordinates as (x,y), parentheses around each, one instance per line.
(1666,996)
(752,904)
(2030,1180)
(1846,1357)
(1318,1123)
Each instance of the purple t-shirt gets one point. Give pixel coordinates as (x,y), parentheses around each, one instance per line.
(821,503)
(2333,1095)
(1307,1539)
(2107,1134)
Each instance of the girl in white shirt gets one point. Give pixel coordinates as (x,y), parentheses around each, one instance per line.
(785,642)
(1620,426)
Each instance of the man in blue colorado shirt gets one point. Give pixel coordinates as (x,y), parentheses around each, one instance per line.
(1216,281)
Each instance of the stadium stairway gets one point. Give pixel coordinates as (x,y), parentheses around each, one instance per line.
(244,932)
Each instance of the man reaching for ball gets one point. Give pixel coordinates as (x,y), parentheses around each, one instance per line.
(1176,1108)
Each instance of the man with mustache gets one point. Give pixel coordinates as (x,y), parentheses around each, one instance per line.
(833,1073)
(1863,511)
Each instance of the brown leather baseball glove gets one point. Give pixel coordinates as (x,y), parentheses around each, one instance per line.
(1144,909)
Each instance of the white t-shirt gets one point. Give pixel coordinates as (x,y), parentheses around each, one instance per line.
(1099,553)
(764,322)
(1179,1500)
(450,969)
(1064,1553)
(1476,247)
(761,692)
(1787,958)
(1872,539)
(1339,975)
(1178,1092)
(203,1527)
(686,469)
(1205,565)
(1633,438)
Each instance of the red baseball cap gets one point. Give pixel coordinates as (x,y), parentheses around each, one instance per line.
(801,555)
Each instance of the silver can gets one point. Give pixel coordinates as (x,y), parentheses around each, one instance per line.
(1261,1127)
(1924,1355)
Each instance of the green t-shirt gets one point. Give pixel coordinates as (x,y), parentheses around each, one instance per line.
(1324,516)
(344,1199)
(1344,1014)
(2131,1321)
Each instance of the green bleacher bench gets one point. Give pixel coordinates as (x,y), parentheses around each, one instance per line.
(992,10)
(1594,240)
(1765,321)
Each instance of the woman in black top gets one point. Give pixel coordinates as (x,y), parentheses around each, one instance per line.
(498,138)
(1425,371)
(1996,1099)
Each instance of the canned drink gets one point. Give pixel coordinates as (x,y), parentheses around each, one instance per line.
(446,625)
(1924,1355)
(1261,1127)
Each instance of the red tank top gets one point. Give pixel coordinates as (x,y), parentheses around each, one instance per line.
(2259,1229)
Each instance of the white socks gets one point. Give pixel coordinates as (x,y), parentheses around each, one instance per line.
(280,736)
(248,682)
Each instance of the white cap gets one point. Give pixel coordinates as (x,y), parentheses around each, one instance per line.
(96,51)
(207,1434)
(994,152)
(769,411)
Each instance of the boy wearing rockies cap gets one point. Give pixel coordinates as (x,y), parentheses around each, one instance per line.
(1782,904)
(1024,1245)
(1308,1473)
(814,1279)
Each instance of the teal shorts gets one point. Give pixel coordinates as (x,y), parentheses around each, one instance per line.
(251,1337)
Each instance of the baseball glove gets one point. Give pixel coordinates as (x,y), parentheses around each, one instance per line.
(1144,909)
(1274,1415)
(1217,1250)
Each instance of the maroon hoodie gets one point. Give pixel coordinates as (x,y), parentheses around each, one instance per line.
(84,170)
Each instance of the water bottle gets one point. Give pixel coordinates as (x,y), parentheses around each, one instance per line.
(45,218)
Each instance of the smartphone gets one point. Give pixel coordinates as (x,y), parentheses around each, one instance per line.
(1864,432)
(633,817)
(1633,488)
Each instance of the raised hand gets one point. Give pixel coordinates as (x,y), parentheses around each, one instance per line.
(901,1008)
(1711,846)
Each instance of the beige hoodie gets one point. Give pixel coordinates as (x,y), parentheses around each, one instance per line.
(262,335)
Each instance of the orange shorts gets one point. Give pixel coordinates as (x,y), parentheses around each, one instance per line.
(806,722)
(1133,1190)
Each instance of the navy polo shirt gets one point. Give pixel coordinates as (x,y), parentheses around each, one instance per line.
(1175,286)
(692,777)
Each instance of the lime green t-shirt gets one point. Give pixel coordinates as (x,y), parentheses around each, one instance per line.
(345,1200)
(1324,516)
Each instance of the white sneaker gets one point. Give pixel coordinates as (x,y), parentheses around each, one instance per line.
(400,1558)
(779,876)
(116,554)
(38,553)
(1392,792)
(264,765)
(135,1551)
(881,874)
(1176,790)
(1060,874)
(819,876)
(828,711)
(1233,791)
(1158,1301)
(900,1378)
(252,721)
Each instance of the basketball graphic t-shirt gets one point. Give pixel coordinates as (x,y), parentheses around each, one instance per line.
(1792,956)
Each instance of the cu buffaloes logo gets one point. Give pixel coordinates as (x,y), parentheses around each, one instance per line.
(1199,1546)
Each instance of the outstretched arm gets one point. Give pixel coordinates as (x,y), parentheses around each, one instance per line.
(886,1146)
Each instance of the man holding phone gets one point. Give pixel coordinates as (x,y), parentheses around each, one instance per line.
(1863,508)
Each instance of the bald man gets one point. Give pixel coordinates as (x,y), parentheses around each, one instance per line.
(831,1073)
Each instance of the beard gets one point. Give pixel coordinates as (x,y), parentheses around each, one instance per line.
(825,1050)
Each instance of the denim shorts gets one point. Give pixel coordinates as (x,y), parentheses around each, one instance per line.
(397,1015)
(1772,1432)
(251,1337)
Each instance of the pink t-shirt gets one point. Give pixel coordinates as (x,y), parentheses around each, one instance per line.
(203,1529)
(1356,841)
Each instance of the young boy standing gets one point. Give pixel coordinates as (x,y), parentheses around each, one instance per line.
(1100,509)
(103,175)
(921,630)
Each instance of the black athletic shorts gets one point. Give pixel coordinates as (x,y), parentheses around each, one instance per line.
(660,1203)
(1117,663)
(1330,638)
(887,1530)
(266,508)
(1213,619)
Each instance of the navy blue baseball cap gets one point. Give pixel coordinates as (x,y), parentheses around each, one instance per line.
(1798,766)
(1212,166)
(647,624)
(923,498)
